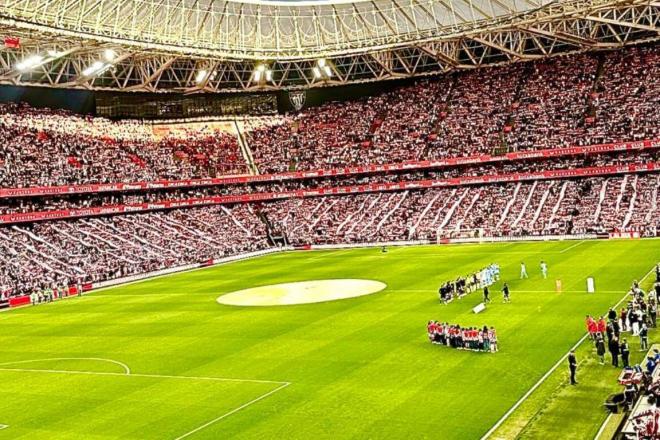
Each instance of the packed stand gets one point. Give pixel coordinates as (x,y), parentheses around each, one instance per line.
(583,99)
(57,254)
(77,201)
(558,207)
(566,101)
(49,148)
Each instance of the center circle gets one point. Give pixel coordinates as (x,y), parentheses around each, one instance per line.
(302,292)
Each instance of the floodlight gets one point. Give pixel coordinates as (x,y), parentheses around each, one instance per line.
(109,55)
(201,76)
(94,68)
(29,62)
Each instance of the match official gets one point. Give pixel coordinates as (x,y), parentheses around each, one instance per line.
(506,293)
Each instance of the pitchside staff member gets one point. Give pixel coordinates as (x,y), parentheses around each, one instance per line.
(572,366)
(625,353)
(614,351)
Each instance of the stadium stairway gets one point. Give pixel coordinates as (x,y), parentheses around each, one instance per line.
(274,236)
(245,149)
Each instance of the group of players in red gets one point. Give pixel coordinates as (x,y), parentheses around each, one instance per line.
(468,338)
(595,326)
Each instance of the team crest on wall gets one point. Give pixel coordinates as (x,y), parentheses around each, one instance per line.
(297,99)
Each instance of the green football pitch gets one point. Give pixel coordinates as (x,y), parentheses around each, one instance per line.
(161,359)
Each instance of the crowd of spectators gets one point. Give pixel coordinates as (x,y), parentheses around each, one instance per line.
(572,206)
(61,253)
(95,249)
(578,100)
(48,148)
(565,101)
(76,201)
(572,100)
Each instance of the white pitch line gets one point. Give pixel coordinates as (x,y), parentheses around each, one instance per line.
(127,370)
(233,411)
(512,291)
(163,376)
(325,254)
(602,427)
(153,295)
(157,376)
(3,426)
(572,247)
(548,373)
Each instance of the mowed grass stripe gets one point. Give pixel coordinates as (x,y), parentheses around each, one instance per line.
(360,368)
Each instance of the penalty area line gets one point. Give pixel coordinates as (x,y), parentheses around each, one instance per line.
(281,386)
(233,411)
(548,373)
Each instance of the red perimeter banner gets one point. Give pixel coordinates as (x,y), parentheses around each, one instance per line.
(347,171)
(12,42)
(338,190)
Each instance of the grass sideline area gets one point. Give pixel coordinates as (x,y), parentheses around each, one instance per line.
(354,368)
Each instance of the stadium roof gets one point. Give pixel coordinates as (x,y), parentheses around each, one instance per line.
(263,29)
(214,45)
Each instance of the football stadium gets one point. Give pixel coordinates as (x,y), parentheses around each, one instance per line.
(329,219)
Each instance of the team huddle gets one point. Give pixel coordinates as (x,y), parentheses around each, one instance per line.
(468,338)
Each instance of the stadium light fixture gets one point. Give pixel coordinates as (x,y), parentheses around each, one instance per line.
(29,63)
(109,55)
(322,70)
(263,74)
(201,76)
(108,58)
(95,68)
